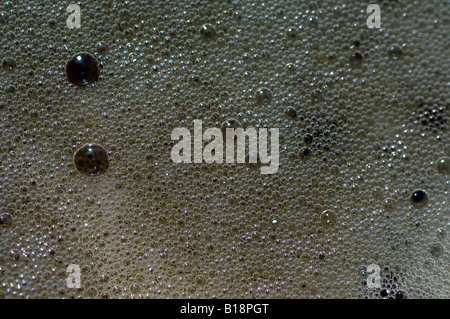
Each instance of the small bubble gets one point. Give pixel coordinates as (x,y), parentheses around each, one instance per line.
(441,233)
(3,17)
(395,51)
(308,138)
(229,123)
(8,63)
(384,293)
(328,217)
(443,165)
(5,219)
(429,263)
(291,112)
(419,196)
(102,47)
(207,31)
(91,159)
(316,96)
(377,192)
(356,59)
(263,95)
(437,250)
(274,220)
(306,151)
(400,295)
(82,69)
(292,33)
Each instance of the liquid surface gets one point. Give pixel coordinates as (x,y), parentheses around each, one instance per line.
(363,120)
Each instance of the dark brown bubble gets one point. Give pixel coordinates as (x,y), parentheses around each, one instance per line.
(82,69)
(91,159)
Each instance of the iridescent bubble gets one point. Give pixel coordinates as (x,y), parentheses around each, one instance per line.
(82,69)
(91,159)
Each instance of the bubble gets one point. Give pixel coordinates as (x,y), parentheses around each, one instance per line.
(3,17)
(5,219)
(292,33)
(230,123)
(395,51)
(356,59)
(207,31)
(429,263)
(82,69)
(263,95)
(308,138)
(328,217)
(400,295)
(389,203)
(443,165)
(102,47)
(384,293)
(91,159)
(419,196)
(436,249)
(92,292)
(316,95)
(274,221)
(441,233)
(219,220)
(8,63)
(291,112)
